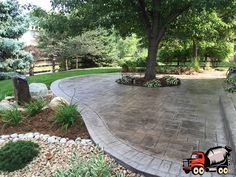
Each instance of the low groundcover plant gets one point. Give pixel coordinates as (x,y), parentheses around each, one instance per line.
(16,155)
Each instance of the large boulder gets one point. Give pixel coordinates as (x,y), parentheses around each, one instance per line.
(6,106)
(38,90)
(21,89)
(55,102)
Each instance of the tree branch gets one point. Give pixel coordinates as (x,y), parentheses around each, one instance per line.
(172,17)
(142,8)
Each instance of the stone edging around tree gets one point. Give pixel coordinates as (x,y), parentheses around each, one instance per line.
(44,137)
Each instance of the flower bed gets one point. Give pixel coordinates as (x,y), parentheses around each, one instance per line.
(166,81)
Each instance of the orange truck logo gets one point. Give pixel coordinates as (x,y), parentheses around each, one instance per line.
(216,159)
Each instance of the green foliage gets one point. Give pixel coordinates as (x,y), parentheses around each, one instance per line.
(150,20)
(16,155)
(195,64)
(231,83)
(153,83)
(171,81)
(8,75)
(13,25)
(218,51)
(175,51)
(231,89)
(34,106)
(94,166)
(125,80)
(11,116)
(66,115)
(6,85)
(231,79)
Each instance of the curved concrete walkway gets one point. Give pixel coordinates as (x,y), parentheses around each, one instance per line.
(149,130)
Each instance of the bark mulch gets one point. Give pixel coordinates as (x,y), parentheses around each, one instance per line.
(43,123)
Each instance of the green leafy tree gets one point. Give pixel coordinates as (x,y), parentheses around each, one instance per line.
(199,35)
(198,27)
(149,19)
(13,25)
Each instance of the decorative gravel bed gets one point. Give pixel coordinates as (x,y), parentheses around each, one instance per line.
(55,153)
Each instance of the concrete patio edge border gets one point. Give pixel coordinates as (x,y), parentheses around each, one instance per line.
(126,155)
(229,115)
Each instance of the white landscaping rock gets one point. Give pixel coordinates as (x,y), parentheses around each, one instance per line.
(14,135)
(38,90)
(51,139)
(4,137)
(86,142)
(21,136)
(63,141)
(9,98)
(37,137)
(55,102)
(5,106)
(70,142)
(45,137)
(29,135)
(15,139)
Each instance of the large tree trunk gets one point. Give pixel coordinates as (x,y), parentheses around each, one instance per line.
(195,49)
(151,60)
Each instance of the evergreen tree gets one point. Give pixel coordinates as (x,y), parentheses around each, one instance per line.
(13,25)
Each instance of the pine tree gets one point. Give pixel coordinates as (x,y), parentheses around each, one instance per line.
(13,23)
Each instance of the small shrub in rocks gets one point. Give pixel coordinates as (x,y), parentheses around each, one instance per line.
(11,116)
(66,115)
(171,81)
(153,83)
(35,106)
(231,83)
(94,166)
(16,155)
(125,80)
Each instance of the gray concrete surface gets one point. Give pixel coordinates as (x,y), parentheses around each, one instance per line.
(149,130)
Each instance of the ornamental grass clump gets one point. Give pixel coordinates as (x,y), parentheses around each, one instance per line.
(66,115)
(12,116)
(35,106)
(16,155)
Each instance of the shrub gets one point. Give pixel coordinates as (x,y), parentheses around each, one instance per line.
(125,80)
(35,106)
(94,166)
(231,89)
(7,75)
(171,81)
(231,83)
(231,79)
(11,116)
(16,155)
(66,115)
(153,83)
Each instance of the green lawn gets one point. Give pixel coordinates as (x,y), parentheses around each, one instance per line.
(6,85)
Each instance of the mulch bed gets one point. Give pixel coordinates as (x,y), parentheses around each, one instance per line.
(43,123)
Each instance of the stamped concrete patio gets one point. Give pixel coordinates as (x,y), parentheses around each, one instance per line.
(149,130)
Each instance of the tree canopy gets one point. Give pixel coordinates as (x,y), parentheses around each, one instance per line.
(148,19)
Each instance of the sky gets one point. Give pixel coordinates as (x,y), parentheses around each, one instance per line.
(45,4)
